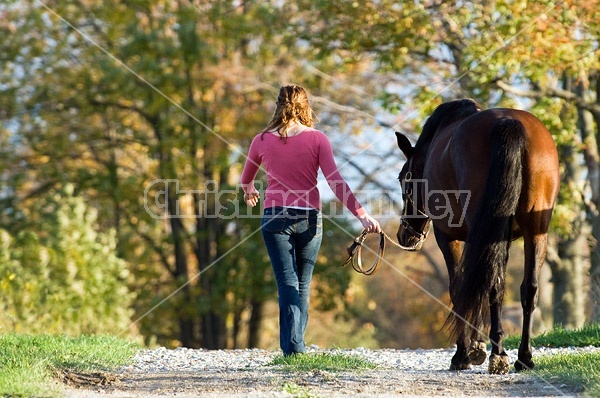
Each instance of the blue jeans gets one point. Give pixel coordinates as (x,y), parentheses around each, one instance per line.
(293,238)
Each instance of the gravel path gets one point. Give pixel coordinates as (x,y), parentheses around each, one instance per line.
(245,373)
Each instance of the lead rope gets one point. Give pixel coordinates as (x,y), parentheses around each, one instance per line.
(394,242)
(354,252)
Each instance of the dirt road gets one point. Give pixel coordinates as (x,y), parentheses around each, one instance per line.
(277,382)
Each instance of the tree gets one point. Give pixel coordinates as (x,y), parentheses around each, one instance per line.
(153,84)
(563,75)
(142,103)
(446,49)
(61,275)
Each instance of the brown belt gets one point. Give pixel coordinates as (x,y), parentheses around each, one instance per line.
(354,251)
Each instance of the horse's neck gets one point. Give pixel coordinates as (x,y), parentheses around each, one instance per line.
(438,141)
(424,146)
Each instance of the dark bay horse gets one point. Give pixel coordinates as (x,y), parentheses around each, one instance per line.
(483,178)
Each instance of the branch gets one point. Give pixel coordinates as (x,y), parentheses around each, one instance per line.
(343,108)
(552,257)
(150,118)
(368,177)
(590,206)
(552,92)
(439,276)
(40,190)
(152,244)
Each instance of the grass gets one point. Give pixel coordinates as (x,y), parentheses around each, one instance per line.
(589,335)
(318,361)
(579,370)
(29,362)
(322,361)
(297,391)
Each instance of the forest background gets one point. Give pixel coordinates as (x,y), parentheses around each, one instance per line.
(119,115)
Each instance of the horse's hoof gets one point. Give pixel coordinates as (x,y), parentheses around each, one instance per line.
(462,366)
(477,353)
(521,365)
(498,364)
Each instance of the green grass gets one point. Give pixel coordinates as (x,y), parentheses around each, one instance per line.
(297,391)
(579,370)
(559,337)
(317,361)
(322,361)
(28,362)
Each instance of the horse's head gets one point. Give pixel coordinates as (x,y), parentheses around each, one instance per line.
(414,222)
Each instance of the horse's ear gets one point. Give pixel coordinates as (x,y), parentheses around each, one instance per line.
(404,145)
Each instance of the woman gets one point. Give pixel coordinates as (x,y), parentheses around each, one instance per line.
(292,151)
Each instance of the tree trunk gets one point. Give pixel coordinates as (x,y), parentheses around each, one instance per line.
(567,276)
(594,297)
(177,232)
(255,323)
(207,251)
(567,267)
(589,139)
(186,323)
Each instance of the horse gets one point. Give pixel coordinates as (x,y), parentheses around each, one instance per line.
(482,178)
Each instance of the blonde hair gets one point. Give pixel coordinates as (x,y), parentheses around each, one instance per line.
(292,106)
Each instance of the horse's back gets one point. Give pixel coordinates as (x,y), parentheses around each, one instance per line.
(472,151)
(479,127)
(541,177)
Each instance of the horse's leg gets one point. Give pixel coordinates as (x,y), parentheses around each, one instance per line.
(452,251)
(499,363)
(477,348)
(535,252)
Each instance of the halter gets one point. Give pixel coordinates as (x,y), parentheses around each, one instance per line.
(420,235)
(354,250)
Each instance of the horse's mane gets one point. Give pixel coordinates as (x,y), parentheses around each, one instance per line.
(445,114)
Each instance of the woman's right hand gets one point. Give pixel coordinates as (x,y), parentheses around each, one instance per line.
(370,224)
(251,197)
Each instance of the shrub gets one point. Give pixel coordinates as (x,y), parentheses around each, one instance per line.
(61,275)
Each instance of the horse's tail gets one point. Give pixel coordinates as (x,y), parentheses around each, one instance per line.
(483,264)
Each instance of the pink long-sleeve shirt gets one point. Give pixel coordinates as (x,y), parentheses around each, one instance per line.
(292,169)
